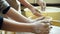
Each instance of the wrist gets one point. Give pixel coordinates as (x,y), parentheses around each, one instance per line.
(36,29)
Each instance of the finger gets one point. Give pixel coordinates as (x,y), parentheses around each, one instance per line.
(43,6)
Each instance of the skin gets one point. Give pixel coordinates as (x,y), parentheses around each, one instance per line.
(21,23)
(33,10)
(10,25)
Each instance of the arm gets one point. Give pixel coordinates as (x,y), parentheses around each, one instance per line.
(10,25)
(26,4)
(32,8)
(11,12)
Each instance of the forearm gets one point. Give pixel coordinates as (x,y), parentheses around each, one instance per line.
(12,13)
(25,3)
(10,25)
(31,7)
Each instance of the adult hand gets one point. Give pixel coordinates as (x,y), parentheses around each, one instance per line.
(42,4)
(41,28)
(35,12)
(44,19)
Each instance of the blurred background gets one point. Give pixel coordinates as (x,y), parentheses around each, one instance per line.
(47,1)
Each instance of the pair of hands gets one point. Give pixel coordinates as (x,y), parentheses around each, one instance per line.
(42,26)
(42,5)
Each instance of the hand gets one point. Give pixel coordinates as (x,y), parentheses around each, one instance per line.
(43,25)
(39,18)
(41,28)
(44,19)
(42,4)
(35,11)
